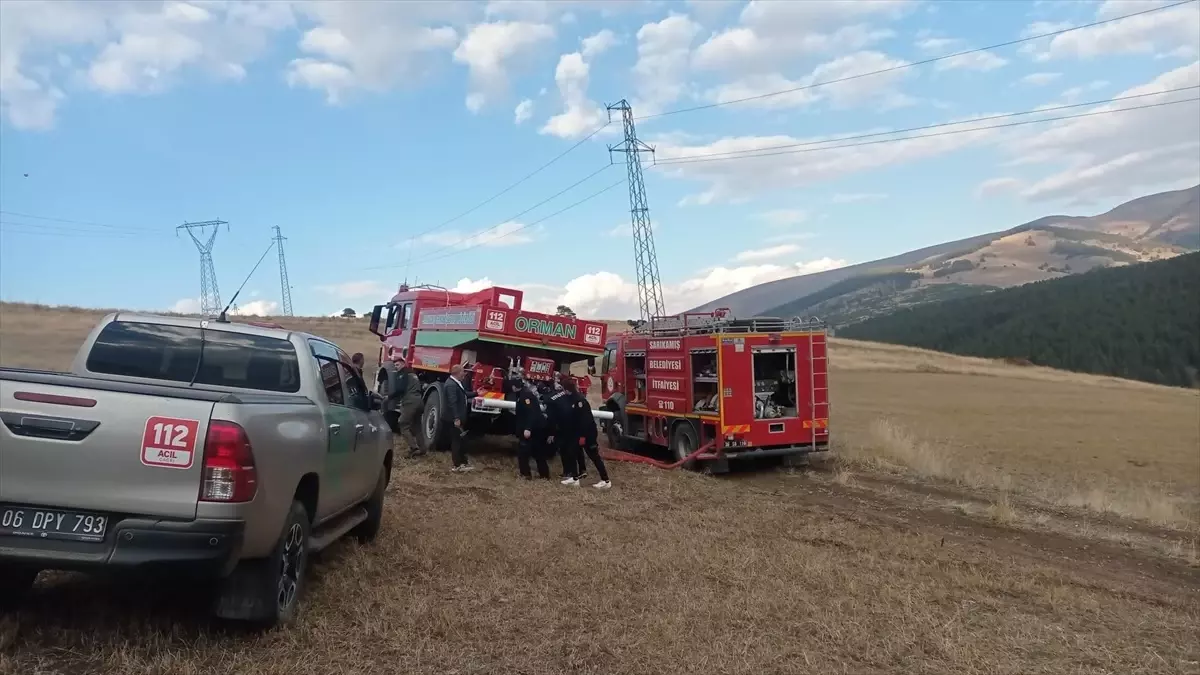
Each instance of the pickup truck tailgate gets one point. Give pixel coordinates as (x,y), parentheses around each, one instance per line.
(94,445)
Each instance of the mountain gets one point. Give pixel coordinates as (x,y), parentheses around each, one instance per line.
(1154,227)
(1135,321)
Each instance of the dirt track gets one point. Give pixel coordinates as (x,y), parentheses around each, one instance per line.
(897,505)
(766,572)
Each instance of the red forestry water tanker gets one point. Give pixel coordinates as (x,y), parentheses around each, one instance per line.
(748,388)
(489,334)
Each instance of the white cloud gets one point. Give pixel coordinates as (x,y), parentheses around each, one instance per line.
(660,74)
(186,306)
(625,229)
(559,10)
(939,46)
(747,175)
(489,49)
(127,47)
(997,186)
(523,111)
(605,295)
(252,308)
(372,46)
(771,33)
(506,234)
(1174,31)
(768,253)
(595,45)
(1103,157)
(581,115)
(978,61)
(256,308)
(1040,79)
(468,285)
(881,89)
(783,217)
(852,197)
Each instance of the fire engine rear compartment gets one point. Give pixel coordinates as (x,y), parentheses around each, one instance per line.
(775,392)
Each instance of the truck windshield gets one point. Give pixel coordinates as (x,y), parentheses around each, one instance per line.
(171,353)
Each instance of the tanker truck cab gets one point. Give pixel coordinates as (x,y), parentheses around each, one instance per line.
(490,334)
(711,388)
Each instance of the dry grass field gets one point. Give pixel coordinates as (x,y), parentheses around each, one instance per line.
(976,517)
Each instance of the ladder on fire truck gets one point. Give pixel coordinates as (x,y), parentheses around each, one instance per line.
(812,380)
(706,323)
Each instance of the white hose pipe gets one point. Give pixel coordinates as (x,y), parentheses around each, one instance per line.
(501,404)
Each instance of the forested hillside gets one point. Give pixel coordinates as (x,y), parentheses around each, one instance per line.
(1140,322)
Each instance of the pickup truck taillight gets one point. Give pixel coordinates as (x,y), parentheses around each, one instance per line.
(228,474)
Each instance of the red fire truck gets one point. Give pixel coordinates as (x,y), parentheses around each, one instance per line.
(748,387)
(489,334)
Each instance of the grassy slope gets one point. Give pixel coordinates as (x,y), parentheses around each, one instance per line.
(1138,321)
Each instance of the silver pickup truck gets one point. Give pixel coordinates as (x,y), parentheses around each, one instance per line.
(231,449)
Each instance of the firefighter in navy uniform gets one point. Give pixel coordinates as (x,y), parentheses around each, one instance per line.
(530,431)
(585,440)
(562,430)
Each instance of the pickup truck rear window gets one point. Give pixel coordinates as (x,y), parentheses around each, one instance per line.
(171,353)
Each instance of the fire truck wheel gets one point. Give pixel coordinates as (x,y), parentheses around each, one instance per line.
(684,442)
(432,433)
(616,439)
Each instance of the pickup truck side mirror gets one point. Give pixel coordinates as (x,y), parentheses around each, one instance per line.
(375,314)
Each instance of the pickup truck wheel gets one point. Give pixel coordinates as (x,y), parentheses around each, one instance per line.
(15,582)
(368,530)
(267,592)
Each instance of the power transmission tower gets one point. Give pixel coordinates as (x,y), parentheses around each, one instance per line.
(210,297)
(285,287)
(650,296)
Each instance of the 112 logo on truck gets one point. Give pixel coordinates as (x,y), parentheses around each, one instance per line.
(169,442)
(494,320)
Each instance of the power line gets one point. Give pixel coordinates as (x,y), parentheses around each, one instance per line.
(506,190)
(80,222)
(544,201)
(40,229)
(673,160)
(919,63)
(516,230)
(934,135)
(507,220)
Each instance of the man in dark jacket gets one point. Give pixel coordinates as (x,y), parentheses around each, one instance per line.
(530,432)
(407,396)
(454,407)
(562,431)
(585,440)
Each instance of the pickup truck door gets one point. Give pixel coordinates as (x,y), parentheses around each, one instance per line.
(366,457)
(339,483)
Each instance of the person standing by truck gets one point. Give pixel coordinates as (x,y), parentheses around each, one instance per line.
(455,396)
(585,440)
(407,397)
(562,430)
(530,431)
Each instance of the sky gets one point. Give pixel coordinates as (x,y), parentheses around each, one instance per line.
(381,137)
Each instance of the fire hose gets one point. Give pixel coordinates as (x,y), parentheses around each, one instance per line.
(607,453)
(622,456)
